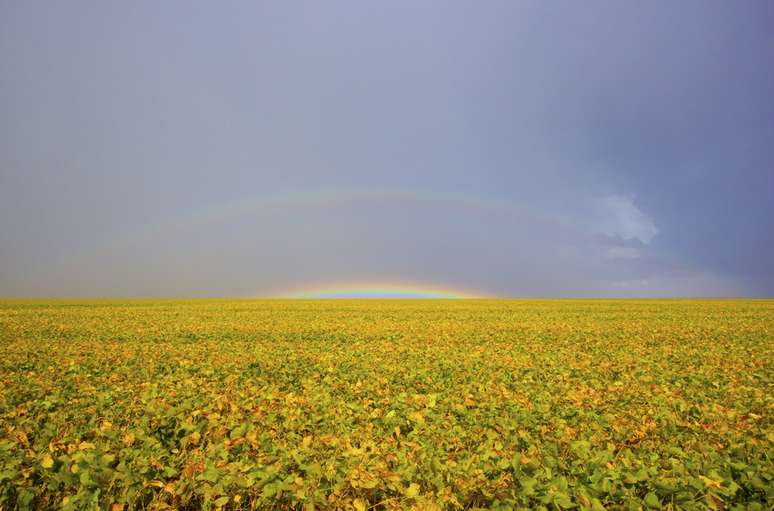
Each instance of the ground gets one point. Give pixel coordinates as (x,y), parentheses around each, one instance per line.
(435,404)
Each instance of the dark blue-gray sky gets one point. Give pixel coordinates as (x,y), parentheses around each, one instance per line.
(518,148)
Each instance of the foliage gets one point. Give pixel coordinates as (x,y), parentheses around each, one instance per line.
(517,404)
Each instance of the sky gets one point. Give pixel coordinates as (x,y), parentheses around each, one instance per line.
(600,149)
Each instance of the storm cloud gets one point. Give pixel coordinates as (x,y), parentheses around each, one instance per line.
(517,149)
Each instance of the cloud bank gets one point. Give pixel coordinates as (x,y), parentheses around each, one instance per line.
(627,147)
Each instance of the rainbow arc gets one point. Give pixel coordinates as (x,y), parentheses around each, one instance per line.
(378,290)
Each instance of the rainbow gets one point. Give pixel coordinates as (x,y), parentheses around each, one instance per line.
(377,290)
(322,198)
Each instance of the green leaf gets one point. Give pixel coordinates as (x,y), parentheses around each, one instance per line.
(651,500)
(210,475)
(563,500)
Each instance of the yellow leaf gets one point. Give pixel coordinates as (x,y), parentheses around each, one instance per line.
(417,417)
(368,482)
(360,504)
(116,507)
(21,436)
(412,491)
(47,461)
(710,483)
(392,476)
(83,446)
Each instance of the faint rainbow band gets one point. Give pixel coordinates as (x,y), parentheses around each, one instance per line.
(377,290)
(324,198)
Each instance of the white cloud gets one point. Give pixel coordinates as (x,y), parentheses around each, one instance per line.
(617,215)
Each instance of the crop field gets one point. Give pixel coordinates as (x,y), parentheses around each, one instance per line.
(371,404)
